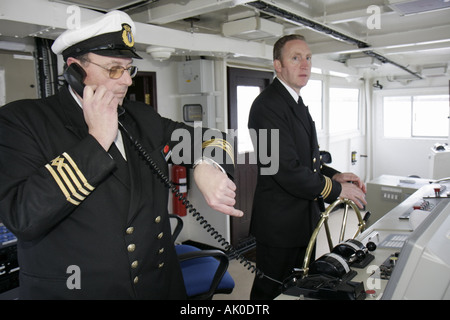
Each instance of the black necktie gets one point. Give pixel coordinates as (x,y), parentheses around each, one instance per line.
(122,168)
(304,110)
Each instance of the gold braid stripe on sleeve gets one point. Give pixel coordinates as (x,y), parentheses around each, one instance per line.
(69,178)
(327,189)
(222,144)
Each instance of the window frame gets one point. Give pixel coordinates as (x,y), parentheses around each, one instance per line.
(411,95)
(359,105)
(320,123)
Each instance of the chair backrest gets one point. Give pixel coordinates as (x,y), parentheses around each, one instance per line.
(204,271)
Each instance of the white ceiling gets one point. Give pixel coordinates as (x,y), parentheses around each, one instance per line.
(405,43)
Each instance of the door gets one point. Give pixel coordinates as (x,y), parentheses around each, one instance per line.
(243,87)
(143,89)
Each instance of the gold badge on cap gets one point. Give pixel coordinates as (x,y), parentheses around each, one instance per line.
(127,36)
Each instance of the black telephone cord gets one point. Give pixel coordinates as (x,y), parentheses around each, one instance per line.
(210,229)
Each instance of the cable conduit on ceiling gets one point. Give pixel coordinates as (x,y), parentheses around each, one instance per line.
(281,13)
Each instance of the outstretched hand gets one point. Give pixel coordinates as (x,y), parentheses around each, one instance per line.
(217,188)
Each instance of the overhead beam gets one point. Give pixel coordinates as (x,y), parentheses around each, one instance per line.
(54,16)
(41,12)
(200,42)
(412,37)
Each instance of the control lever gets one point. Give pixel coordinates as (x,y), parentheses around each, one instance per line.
(354,252)
(367,216)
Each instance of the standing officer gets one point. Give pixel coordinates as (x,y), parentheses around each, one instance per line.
(76,193)
(285,205)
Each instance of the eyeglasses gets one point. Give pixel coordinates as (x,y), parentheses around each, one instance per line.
(117,71)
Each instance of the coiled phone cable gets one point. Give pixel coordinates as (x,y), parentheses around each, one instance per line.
(207,226)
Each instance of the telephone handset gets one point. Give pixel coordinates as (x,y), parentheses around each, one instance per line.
(75,76)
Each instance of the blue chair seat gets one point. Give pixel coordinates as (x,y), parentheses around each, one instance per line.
(199,268)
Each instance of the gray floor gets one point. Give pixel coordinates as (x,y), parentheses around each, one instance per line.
(243,278)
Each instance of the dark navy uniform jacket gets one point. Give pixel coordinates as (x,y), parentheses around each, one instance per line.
(73,205)
(285,208)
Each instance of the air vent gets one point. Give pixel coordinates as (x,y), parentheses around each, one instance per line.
(405,7)
(252,28)
(434,71)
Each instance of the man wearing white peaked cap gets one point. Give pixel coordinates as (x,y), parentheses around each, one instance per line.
(90,217)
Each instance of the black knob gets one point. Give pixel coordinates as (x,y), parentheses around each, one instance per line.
(371,246)
(360,255)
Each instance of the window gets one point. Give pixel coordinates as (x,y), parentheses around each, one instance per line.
(430,116)
(245,97)
(416,116)
(344,109)
(397,117)
(312,97)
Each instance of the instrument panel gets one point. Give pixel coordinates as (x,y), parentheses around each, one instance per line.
(407,222)
(9,266)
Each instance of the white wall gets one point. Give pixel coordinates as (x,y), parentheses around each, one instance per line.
(170,106)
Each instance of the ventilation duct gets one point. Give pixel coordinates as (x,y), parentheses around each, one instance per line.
(432,71)
(252,28)
(363,62)
(408,7)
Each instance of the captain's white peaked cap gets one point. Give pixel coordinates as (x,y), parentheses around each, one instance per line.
(108,35)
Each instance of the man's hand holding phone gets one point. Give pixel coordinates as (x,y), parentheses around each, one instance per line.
(100,113)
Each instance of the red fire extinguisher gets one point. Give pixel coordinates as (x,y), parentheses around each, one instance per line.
(179,179)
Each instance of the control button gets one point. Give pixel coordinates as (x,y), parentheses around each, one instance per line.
(437,192)
(371,293)
(393,260)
